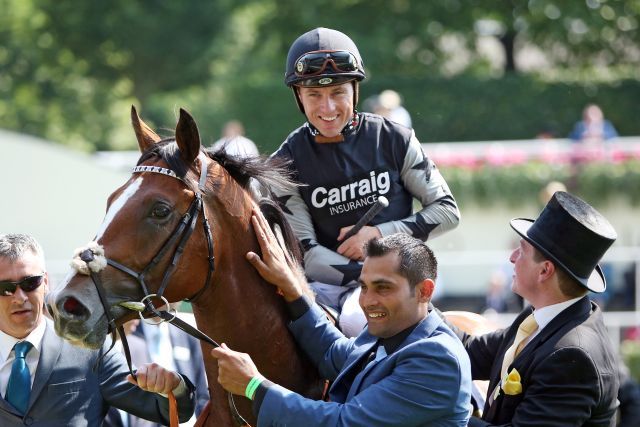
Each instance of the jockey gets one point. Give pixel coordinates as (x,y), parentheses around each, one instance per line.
(345,160)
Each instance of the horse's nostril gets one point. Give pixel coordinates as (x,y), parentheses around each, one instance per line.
(73,306)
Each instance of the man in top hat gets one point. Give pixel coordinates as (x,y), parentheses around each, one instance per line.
(555,364)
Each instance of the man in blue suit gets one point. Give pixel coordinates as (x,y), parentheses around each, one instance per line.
(53,383)
(406,368)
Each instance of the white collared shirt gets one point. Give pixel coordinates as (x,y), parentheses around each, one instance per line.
(7,355)
(545,315)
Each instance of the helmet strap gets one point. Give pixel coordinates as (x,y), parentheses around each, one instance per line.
(297,97)
(356,94)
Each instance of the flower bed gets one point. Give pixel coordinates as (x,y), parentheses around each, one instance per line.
(513,174)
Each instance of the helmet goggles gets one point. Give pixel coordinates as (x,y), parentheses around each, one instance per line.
(315,63)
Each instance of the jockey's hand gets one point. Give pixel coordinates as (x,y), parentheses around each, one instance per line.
(352,248)
(276,265)
(154,378)
(235,369)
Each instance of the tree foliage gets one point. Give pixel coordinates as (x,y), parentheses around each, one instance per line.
(70,70)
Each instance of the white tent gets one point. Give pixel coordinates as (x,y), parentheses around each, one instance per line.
(53,193)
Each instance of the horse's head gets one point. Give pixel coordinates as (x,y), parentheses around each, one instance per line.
(151,220)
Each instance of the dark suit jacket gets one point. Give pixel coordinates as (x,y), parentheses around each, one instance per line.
(68,391)
(568,372)
(187,356)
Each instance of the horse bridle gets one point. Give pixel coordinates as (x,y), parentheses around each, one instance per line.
(181,233)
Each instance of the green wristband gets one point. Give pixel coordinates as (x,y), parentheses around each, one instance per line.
(253,386)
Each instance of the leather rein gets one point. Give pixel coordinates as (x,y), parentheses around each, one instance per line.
(145,307)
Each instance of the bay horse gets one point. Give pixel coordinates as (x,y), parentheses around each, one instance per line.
(183,199)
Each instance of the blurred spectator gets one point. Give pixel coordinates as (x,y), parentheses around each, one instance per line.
(167,346)
(548,131)
(234,141)
(593,128)
(628,290)
(389,104)
(500,298)
(496,299)
(629,398)
(545,194)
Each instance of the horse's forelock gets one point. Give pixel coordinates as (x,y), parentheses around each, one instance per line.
(167,150)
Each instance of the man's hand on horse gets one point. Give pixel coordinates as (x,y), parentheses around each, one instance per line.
(235,369)
(353,246)
(154,378)
(276,265)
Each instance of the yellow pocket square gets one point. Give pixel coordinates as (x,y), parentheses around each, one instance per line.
(511,385)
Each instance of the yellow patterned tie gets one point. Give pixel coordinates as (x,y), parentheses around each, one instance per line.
(526,328)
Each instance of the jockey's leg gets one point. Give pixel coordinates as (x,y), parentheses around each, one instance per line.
(352,318)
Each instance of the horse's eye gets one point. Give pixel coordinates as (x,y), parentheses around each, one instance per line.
(160,211)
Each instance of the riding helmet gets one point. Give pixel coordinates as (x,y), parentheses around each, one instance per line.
(328,40)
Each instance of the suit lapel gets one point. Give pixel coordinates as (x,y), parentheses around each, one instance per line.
(381,354)
(340,387)
(497,364)
(424,329)
(568,318)
(49,354)
(7,407)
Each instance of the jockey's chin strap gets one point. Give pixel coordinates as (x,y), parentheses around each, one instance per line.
(145,307)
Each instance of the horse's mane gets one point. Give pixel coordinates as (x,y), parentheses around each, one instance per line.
(268,172)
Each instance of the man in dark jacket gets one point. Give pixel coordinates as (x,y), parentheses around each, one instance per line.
(555,365)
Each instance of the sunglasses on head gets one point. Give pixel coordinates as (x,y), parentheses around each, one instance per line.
(314,63)
(27,284)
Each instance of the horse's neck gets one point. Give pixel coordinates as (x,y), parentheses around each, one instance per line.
(249,316)
(240,309)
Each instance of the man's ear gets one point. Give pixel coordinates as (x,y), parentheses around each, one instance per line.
(46,282)
(547,270)
(424,290)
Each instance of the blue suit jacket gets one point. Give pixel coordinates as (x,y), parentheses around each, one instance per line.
(67,391)
(425,382)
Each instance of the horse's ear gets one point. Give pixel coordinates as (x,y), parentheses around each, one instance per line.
(146,137)
(187,137)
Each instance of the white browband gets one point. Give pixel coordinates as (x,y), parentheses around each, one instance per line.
(155,169)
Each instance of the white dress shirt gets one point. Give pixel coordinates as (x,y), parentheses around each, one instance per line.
(545,315)
(7,355)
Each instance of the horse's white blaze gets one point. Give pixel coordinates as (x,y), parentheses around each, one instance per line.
(117,205)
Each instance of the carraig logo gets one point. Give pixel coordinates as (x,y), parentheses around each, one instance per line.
(362,192)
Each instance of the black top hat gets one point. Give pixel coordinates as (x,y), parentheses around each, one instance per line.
(573,235)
